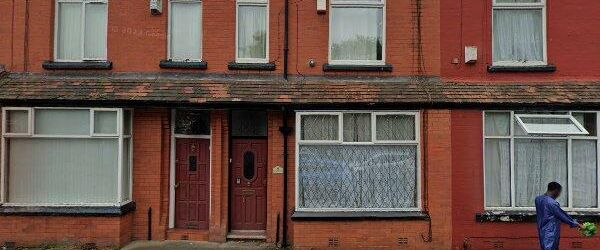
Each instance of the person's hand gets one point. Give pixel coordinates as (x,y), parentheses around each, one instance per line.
(581,227)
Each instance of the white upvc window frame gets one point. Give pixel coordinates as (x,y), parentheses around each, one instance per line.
(56,18)
(512,136)
(120,136)
(416,142)
(527,129)
(358,4)
(169,40)
(520,6)
(260,3)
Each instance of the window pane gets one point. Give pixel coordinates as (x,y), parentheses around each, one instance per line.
(395,127)
(105,122)
(319,127)
(126,122)
(186,30)
(497,172)
(357,127)
(17,121)
(584,169)
(356,33)
(62,171)
(69,31)
(538,162)
(343,176)
(126,169)
(248,123)
(96,21)
(62,121)
(518,1)
(252,32)
(518,35)
(588,121)
(192,122)
(549,125)
(497,124)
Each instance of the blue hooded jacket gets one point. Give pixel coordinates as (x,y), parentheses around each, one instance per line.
(549,218)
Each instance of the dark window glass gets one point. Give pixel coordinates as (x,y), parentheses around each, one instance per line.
(193,162)
(249,123)
(192,122)
(249,165)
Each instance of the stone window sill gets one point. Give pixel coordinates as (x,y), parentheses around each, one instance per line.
(83,211)
(88,65)
(526,216)
(251,66)
(369,68)
(521,69)
(360,216)
(168,64)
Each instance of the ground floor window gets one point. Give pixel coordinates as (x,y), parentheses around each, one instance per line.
(357,160)
(66,156)
(524,151)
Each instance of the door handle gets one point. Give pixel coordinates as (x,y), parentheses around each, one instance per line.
(177,185)
(237,181)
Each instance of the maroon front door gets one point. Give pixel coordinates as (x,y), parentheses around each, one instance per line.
(248,184)
(192,183)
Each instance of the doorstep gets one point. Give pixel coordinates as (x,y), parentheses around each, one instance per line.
(185,245)
(247,235)
(187,234)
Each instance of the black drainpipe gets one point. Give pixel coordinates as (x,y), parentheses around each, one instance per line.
(285,131)
(286,39)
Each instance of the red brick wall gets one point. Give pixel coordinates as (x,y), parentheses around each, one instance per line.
(309,34)
(468,190)
(436,173)
(137,40)
(34,230)
(571,41)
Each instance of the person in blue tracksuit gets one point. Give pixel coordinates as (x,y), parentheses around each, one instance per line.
(549,217)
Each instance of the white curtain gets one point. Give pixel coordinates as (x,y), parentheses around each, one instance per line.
(395,127)
(356,33)
(363,177)
(69,31)
(357,127)
(497,124)
(518,35)
(186,31)
(96,18)
(62,171)
(105,122)
(252,32)
(538,162)
(585,183)
(497,172)
(319,127)
(62,121)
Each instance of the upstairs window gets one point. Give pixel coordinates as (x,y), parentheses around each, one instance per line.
(356,32)
(185,30)
(252,31)
(519,32)
(81,30)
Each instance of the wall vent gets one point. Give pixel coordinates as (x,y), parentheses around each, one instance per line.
(498,245)
(402,241)
(577,245)
(333,242)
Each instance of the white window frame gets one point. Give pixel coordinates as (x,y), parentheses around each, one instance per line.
(120,136)
(261,3)
(513,136)
(416,143)
(169,41)
(361,4)
(56,17)
(520,6)
(527,129)
(173,168)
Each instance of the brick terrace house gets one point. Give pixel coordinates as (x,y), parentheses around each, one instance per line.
(316,124)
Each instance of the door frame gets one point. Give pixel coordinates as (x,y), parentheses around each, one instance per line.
(172,170)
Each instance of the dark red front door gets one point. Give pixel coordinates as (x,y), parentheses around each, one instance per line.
(192,183)
(249,185)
